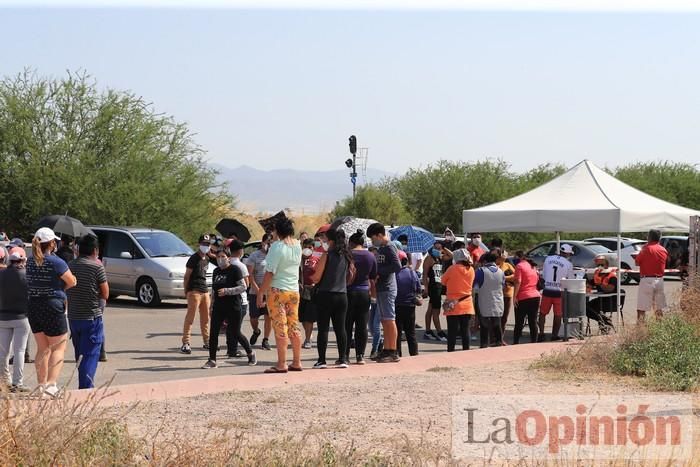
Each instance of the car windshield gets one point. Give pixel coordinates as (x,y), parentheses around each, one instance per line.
(162,244)
(598,248)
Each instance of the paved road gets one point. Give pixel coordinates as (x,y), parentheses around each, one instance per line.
(143,345)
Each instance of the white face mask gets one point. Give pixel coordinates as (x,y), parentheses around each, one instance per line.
(204,249)
(307,252)
(325,246)
(222,262)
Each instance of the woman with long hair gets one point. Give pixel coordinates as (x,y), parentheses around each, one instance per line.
(526,297)
(48,278)
(359,295)
(332,275)
(280,288)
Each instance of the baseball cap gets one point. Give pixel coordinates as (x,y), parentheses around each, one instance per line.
(402,255)
(16,242)
(204,238)
(323,229)
(45,235)
(566,248)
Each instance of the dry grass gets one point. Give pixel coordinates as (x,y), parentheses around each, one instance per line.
(663,353)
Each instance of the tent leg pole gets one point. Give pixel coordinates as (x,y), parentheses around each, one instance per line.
(558,242)
(619,278)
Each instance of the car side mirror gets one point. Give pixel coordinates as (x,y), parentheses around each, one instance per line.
(125,255)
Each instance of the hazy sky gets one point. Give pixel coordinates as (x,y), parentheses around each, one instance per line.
(281,89)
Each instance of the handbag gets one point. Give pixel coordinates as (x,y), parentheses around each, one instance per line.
(449,305)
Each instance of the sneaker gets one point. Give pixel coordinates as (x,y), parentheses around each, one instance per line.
(429,336)
(237,354)
(473,337)
(341,364)
(254,337)
(52,390)
(28,359)
(418,326)
(441,336)
(266,344)
(307,345)
(206,347)
(209,365)
(385,357)
(360,360)
(19,388)
(373,356)
(540,338)
(395,357)
(252,359)
(186,349)
(320,365)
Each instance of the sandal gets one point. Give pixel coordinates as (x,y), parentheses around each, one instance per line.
(294,368)
(273,369)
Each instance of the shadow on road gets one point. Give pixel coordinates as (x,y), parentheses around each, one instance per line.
(134,305)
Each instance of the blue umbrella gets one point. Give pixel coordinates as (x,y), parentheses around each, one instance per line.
(419,239)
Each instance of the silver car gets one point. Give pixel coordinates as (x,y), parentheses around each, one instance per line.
(583,257)
(145,263)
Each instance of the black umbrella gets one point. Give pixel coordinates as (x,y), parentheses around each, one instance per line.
(269,223)
(231,227)
(64,225)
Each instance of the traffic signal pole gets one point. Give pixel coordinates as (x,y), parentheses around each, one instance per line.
(353,174)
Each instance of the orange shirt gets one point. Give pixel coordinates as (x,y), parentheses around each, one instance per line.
(652,260)
(459,281)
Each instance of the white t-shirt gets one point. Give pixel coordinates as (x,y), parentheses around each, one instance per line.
(236,262)
(415,258)
(555,269)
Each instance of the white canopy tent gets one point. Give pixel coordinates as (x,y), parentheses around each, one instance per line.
(584,199)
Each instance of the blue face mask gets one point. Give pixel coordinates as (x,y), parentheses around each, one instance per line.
(435,253)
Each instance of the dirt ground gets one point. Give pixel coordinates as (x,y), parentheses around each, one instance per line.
(376,412)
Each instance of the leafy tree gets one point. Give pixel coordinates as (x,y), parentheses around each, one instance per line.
(676,182)
(102,157)
(373,202)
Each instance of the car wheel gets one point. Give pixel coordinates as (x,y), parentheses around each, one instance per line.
(147,293)
(625,276)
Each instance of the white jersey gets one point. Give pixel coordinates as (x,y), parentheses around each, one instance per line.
(555,269)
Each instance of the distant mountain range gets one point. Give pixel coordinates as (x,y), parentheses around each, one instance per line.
(305,191)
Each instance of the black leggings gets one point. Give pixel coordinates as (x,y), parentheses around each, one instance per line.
(233,316)
(488,326)
(357,316)
(331,306)
(528,308)
(406,322)
(458,324)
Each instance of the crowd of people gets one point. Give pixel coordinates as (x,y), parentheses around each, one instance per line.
(366,284)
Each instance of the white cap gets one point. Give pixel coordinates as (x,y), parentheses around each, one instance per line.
(566,248)
(45,235)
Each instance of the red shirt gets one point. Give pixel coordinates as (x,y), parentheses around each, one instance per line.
(475,252)
(528,277)
(652,260)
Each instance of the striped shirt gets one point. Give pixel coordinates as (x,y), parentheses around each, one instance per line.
(84,298)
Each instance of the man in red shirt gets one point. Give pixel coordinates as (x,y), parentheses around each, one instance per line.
(474,248)
(652,264)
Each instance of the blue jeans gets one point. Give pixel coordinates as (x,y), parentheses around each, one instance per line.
(87,336)
(375,326)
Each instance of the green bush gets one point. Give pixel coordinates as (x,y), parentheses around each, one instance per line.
(668,356)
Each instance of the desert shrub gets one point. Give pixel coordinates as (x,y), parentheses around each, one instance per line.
(668,356)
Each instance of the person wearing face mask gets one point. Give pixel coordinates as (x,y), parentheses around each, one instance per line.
(48,278)
(14,325)
(197,294)
(432,273)
(307,307)
(229,284)
(359,293)
(256,263)
(236,248)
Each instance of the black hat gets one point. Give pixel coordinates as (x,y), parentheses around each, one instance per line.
(204,238)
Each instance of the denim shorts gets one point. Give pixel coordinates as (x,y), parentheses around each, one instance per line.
(386,305)
(253,309)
